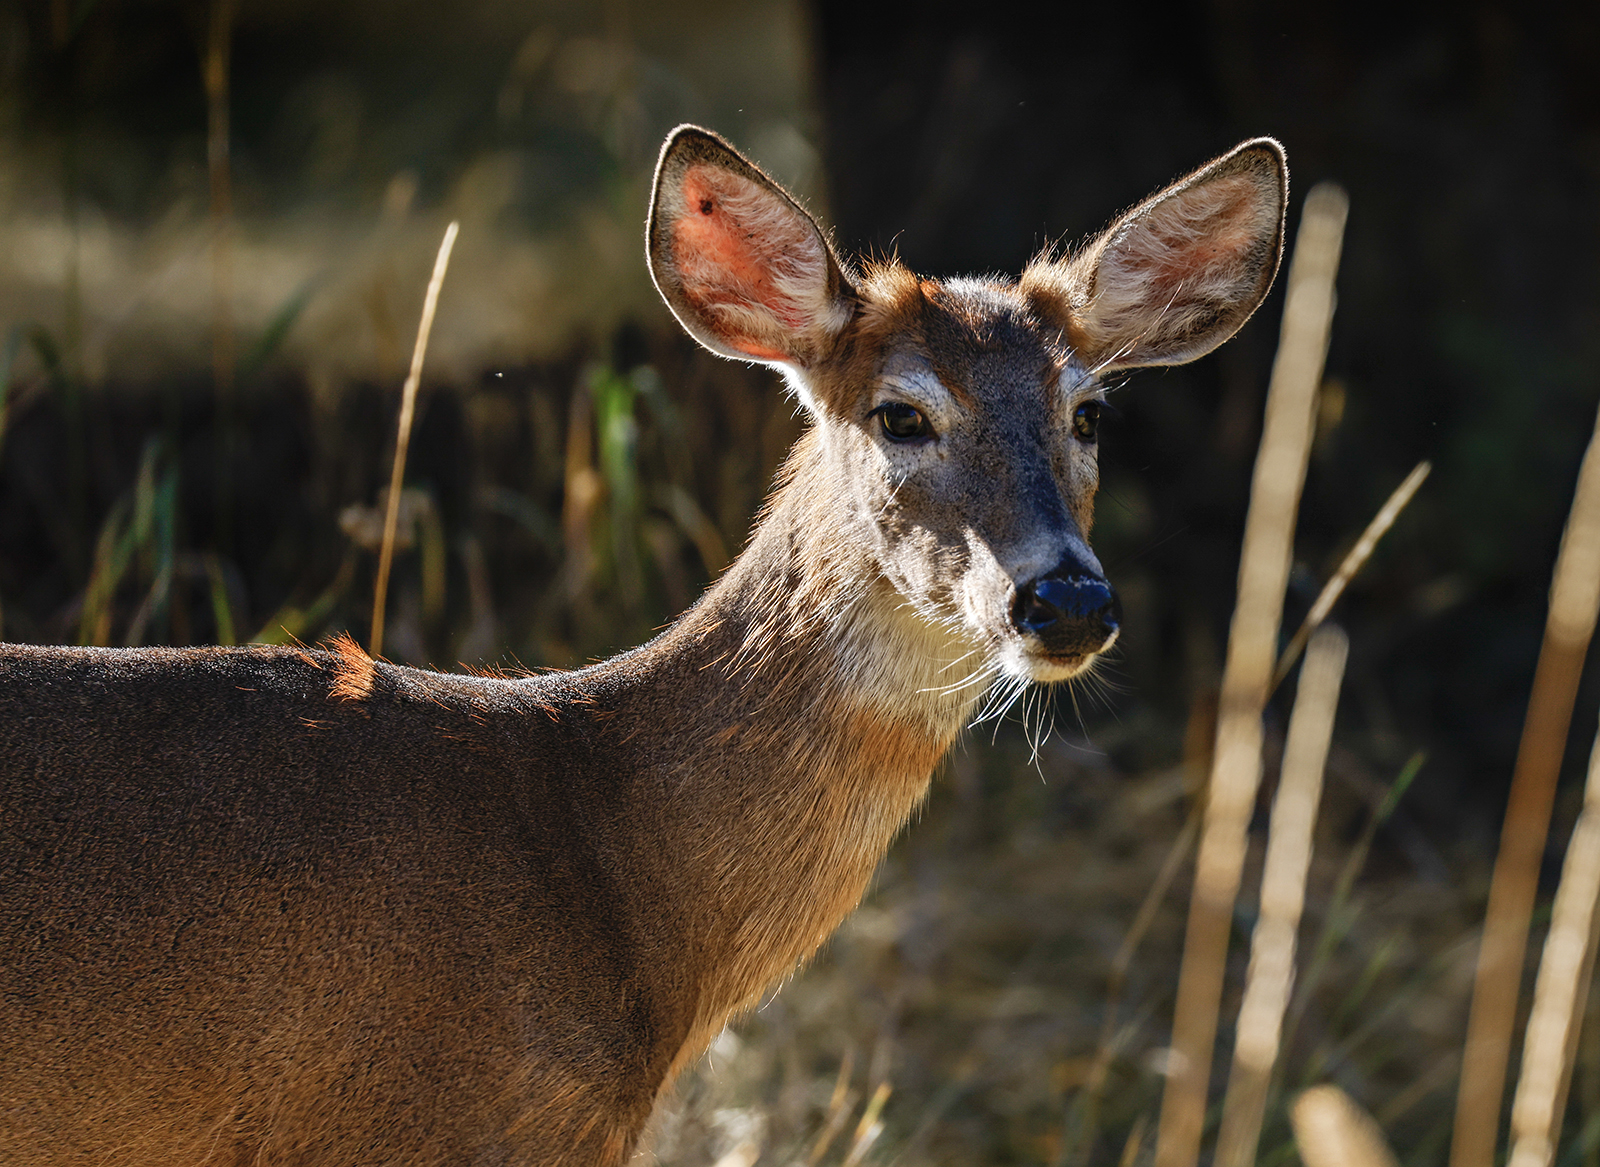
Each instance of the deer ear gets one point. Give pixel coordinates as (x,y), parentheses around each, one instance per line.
(1180,273)
(743,268)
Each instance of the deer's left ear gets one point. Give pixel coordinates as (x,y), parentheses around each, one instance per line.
(1180,273)
(743,268)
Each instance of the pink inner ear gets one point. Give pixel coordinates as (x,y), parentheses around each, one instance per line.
(747,261)
(1196,242)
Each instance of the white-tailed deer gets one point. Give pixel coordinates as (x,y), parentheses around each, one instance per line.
(272,906)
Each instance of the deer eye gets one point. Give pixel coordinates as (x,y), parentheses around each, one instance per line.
(902,422)
(1086,421)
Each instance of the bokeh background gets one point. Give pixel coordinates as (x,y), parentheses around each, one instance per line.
(217,218)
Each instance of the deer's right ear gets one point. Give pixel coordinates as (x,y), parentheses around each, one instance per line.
(743,268)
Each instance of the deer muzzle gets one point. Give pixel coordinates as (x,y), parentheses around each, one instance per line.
(1071,614)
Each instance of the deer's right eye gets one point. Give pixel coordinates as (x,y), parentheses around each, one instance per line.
(902,422)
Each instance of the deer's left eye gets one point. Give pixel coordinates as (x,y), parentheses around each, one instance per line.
(1086,421)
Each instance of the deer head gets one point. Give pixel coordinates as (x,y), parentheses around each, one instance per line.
(955,419)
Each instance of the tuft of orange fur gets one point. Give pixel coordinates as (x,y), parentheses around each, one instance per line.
(353,670)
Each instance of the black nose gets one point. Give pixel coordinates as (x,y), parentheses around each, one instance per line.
(1070,613)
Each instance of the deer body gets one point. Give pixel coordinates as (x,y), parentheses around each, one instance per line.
(300,907)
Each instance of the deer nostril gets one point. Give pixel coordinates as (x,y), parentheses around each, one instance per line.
(1034,612)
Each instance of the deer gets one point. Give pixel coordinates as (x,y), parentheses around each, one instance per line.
(299,906)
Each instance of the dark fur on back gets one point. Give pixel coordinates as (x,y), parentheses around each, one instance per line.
(385,886)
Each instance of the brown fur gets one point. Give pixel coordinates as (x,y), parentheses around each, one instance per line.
(353,670)
(307,908)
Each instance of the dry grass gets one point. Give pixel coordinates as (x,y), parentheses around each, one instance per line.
(1247,676)
(1574,605)
(1349,566)
(216,58)
(1564,975)
(1283,892)
(1332,1130)
(408,413)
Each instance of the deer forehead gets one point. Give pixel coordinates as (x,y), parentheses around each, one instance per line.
(958,345)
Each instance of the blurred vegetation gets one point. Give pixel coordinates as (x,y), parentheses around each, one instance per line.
(619,517)
(580,469)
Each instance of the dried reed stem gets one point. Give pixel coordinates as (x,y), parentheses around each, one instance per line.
(1335,919)
(838,1108)
(1146,915)
(1116,980)
(1552,1026)
(1331,1130)
(1574,602)
(408,406)
(869,1128)
(1352,563)
(1283,894)
(1252,649)
(1135,1142)
(219,43)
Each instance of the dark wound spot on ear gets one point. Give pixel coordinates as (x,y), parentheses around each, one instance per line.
(706,206)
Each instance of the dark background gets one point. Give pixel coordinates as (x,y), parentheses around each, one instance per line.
(581,469)
(1468,138)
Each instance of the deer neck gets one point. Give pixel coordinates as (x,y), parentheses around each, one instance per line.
(811,616)
(819,703)
(817,620)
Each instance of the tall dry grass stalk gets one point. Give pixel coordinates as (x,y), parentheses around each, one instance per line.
(408,407)
(1252,651)
(1283,894)
(1332,1130)
(1562,986)
(838,1109)
(214,68)
(869,1128)
(1077,1150)
(1352,563)
(1339,917)
(1574,603)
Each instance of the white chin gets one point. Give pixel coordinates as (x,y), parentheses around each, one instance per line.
(1045,670)
(1031,663)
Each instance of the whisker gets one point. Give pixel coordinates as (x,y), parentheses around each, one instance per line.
(1011,692)
(1003,696)
(1077,710)
(983,673)
(893,494)
(1038,706)
(958,660)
